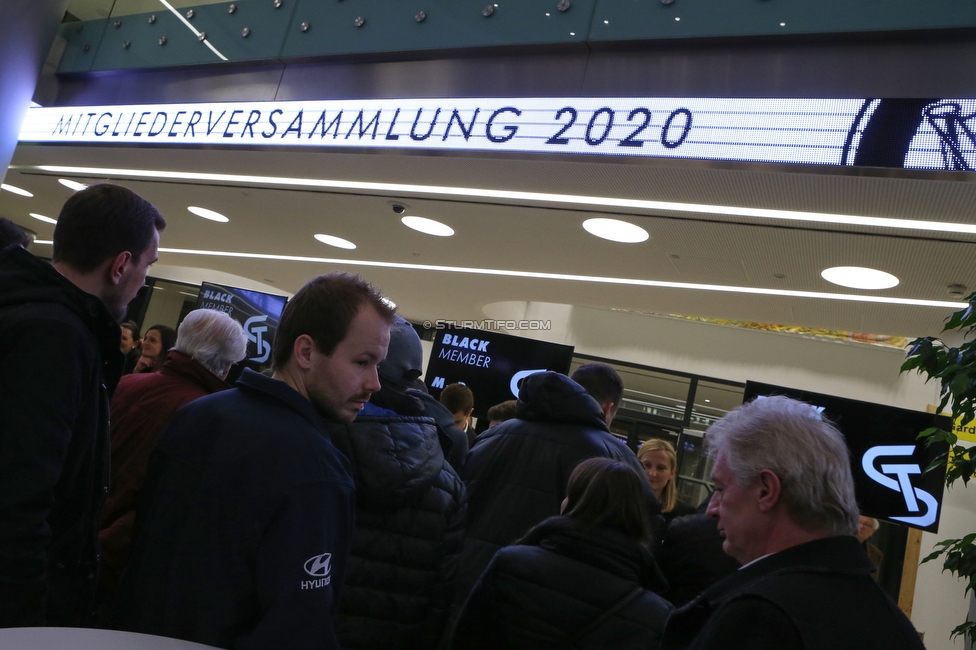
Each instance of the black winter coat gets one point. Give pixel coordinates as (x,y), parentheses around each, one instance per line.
(692,558)
(457,450)
(517,473)
(813,596)
(244,525)
(410,506)
(559,580)
(59,365)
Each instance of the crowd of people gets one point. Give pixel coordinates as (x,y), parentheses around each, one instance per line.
(334,503)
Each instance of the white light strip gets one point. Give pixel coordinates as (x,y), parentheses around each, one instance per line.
(562,276)
(193,29)
(541,197)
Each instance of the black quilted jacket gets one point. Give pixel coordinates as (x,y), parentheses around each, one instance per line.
(410,506)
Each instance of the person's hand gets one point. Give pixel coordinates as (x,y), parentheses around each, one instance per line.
(144,364)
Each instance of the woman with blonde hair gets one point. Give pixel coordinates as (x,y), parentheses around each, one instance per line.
(661,466)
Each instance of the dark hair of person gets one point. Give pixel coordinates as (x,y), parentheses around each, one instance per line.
(99,222)
(323,309)
(168,337)
(10,233)
(457,398)
(134,329)
(601,381)
(603,493)
(504,411)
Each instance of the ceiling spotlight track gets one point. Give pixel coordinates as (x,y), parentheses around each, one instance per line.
(513,195)
(941,304)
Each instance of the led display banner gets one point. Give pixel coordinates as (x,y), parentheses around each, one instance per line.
(903,133)
(258,313)
(491,364)
(887,459)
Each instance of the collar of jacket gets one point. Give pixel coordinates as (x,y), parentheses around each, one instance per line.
(180,365)
(841,554)
(25,278)
(607,549)
(554,397)
(278,390)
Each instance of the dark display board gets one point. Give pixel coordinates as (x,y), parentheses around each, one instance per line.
(492,365)
(257,312)
(887,460)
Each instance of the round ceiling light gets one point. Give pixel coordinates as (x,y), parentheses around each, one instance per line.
(338,242)
(15,190)
(428,226)
(615,230)
(389,303)
(72,185)
(857,277)
(41,217)
(208,214)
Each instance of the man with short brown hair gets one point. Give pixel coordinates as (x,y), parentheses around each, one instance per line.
(245,525)
(59,365)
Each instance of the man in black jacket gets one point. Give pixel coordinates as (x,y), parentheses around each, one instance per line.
(784,502)
(59,365)
(410,505)
(517,473)
(245,519)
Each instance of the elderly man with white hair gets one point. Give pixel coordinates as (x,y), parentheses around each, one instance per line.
(784,503)
(208,343)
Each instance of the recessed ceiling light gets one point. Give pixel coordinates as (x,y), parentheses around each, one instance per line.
(338,242)
(615,230)
(389,303)
(428,226)
(15,190)
(857,277)
(208,214)
(41,217)
(516,195)
(72,185)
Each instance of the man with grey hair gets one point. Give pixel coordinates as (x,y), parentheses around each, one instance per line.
(208,343)
(784,503)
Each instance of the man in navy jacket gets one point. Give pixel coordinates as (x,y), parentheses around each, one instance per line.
(244,527)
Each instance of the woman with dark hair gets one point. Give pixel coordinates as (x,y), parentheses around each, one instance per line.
(584,579)
(156,344)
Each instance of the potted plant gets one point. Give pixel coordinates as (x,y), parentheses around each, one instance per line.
(955,369)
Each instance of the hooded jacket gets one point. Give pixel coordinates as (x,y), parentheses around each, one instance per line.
(142,406)
(59,364)
(410,506)
(516,475)
(557,582)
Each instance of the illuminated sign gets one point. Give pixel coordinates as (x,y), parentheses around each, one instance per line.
(257,312)
(492,364)
(909,133)
(887,459)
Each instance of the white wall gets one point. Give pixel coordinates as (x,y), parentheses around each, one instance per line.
(841,368)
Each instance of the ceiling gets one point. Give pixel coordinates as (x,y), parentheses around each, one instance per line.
(546,237)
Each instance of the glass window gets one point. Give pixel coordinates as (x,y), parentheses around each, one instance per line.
(649,392)
(169,303)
